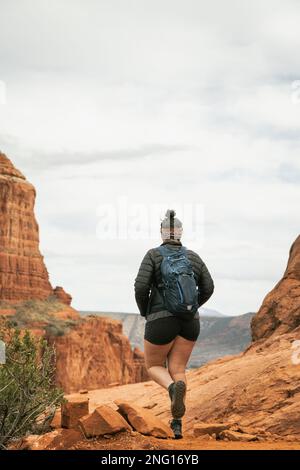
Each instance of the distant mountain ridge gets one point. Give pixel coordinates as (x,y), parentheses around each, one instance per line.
(220,335)
(208,312)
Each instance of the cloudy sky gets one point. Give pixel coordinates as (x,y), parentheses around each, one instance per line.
(116,108)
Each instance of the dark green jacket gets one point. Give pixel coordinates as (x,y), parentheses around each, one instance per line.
(148,297)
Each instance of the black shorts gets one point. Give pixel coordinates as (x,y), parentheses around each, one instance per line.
(164,330)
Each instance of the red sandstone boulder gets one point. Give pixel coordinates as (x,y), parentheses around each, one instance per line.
(56,420)
(143,420)
(72,411)
(104,420)
(62,296)
(237,436)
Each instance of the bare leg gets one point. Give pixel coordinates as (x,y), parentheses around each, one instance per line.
(178,358)
(155,358)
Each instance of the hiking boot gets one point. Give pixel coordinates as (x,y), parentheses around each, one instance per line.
(177,391)
(171,390)
(176,427)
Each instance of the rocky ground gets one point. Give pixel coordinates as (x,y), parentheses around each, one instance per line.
(125,441)
(68,439)
(249,401)
(259,389)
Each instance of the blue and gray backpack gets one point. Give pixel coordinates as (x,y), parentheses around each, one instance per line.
(178,288)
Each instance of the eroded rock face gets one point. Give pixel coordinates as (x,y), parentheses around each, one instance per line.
(62,295)
(280,311)
(95,354)
(23,274)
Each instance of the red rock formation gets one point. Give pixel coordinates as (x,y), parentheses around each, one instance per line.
(143,420)
(94,354)
(104,420)
(62,295)
(23,274)
(72,411)
(280,311)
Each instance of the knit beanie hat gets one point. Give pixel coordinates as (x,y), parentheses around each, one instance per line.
(171,227)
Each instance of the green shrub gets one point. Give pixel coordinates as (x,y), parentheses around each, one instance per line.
(28,396)
(56,329)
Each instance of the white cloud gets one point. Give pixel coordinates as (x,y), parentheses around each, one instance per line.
(187,102)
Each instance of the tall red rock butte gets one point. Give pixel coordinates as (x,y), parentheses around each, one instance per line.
(23,274)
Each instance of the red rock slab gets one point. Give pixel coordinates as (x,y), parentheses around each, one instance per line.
(104,420)
(143,420)
(72,411)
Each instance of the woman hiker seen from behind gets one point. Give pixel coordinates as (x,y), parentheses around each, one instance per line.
(172,283)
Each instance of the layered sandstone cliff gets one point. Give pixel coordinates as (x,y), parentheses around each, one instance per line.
(96,354)
(280,311)
(23,274)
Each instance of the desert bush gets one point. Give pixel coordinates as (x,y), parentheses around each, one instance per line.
(27,390)
(56,329)
(4,304)
(35,312)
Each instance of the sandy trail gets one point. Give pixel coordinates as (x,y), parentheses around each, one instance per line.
(125,441)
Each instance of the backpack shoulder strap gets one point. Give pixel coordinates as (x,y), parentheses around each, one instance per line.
(162,250)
